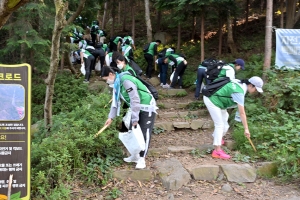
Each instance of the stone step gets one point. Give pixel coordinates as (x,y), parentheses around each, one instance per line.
(195,124)
(173,174)
(188,114)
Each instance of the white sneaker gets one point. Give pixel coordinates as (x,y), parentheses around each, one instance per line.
(132,158)
(158,75)
(141,164)
(166,86)
(161,84)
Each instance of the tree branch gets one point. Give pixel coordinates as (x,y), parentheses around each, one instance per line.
(78,11)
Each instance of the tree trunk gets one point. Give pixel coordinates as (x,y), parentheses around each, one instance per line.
(268,37)
(202,38)
(282,13)
(179,36)
(125,10)
(132,20)
(119,12)
(230,40)
(61,8)
(247,13)
(7,7)
(158,21)
(104,15)
(194,28)
(113,15)
(220,36)
(148,21)
(290,13)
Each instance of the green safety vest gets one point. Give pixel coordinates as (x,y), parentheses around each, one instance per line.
(177,57)
(116,40)
(151,48)
(145,97)
(223,71)
(226,91)
(126,68)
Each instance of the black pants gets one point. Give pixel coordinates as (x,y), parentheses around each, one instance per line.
(88,62)
(94,36)
(178,72)
(149,59)
(146,123)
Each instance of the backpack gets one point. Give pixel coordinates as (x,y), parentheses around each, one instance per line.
(150,87)
(213,67)
(211,88)
(146,47)
(136,67)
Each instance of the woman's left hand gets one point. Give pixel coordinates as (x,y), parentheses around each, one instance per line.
(134,123)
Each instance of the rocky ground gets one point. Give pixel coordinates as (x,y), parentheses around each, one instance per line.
(179,165)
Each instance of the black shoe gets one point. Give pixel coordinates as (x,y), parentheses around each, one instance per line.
(197,98)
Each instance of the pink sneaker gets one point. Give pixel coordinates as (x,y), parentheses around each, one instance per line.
(220,154)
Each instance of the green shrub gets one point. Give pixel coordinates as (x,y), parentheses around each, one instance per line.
(273,120)
(70,151)
(68,94)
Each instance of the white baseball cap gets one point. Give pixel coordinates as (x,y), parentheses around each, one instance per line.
(257,82)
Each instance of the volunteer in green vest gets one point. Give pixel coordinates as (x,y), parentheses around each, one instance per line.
(143,106)
(230,95)
(228,70)
(127,50)
(115,43)
(88,59)
(149,57)
(123,65)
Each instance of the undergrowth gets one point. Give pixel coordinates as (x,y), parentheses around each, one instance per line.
(70,155)
(273,120)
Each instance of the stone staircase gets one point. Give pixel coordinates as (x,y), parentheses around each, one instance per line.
(177,162)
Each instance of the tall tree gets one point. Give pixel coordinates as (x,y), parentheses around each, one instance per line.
(268,37)
(148,21)
(292,13)
(61,8)
(230,40)
(132,19)
(7,7)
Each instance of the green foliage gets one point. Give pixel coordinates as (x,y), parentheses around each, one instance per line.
(68,94)
(158,130)
(273,120)
(197,153)
(181,93)
(70,151)
(114,193)
(196,105)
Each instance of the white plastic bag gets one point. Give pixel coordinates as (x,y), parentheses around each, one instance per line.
(127,118)
(98,66)
(82,69)
(172,75)
(133,140)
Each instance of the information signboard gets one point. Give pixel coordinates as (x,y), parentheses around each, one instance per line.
(15,114)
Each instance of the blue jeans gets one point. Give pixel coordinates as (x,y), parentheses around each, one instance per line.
(201,74)
(163,70)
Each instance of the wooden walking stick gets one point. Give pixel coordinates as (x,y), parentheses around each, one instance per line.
(251,144)
(108,103)
(101,130)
